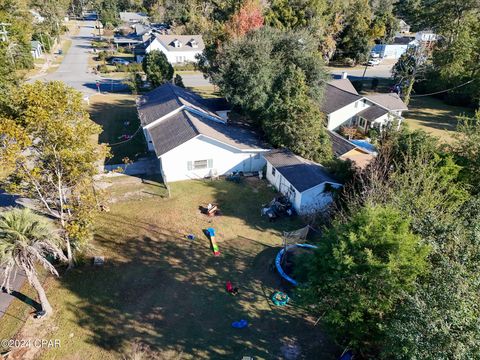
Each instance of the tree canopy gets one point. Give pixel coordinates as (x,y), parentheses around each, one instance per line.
(157,68)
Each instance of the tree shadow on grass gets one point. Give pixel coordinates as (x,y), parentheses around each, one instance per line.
(169,293)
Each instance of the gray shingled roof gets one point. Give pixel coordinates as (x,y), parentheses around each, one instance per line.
(195,119)
(184,125)
(185,41)
(301,173)
(336,98)
(344,84)
(390,101)
(372,113)
(172,132)
(167,98)
(340,145)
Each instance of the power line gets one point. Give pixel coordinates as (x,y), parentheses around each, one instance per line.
(442,91)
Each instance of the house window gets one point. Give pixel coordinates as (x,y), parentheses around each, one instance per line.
(273,171)
(200,164)
(179,59)
(362,122)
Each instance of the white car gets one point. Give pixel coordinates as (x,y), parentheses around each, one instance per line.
(119,61)
(373,62)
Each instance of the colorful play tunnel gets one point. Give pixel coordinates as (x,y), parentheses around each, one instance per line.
(211,235)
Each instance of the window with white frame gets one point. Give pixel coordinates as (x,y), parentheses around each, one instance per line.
(200,164)
(273,171)
(362,122)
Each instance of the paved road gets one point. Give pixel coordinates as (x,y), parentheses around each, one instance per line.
(194,80)
(74,70)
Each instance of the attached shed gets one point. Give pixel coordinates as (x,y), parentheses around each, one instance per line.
(308,185)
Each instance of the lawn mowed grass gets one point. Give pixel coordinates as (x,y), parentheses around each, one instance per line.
(117,115)
(434,116)
(167,292)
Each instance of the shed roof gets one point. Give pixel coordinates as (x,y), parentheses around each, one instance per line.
(301,173)
(340,145)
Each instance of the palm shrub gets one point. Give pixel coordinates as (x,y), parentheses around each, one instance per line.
(27,239)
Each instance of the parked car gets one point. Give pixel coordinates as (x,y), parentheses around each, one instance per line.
(373,62)
(119,61)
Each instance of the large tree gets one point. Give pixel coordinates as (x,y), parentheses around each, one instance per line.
(361,271)
(157,68)
(259,72)
(293,119)
(26,240)
(358,35)
(57,164)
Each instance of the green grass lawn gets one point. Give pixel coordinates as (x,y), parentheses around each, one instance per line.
(112,112)
(434,116)
(162,290)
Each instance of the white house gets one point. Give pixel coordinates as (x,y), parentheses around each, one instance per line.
(36,49)
(306,184)
(395,49)
(178,48)
(345,107)
(191,140)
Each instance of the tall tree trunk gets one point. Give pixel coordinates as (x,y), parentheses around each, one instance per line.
(71,263)
(41,295)
(406,98)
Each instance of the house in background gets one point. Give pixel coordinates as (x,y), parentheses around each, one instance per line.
(178,48)
(306,184)
(395,49)
(344,106)
(404,27)
(191,140)
(133,18)
(36,49)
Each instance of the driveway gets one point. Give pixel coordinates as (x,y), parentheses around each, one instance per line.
(74,70)
(194,79)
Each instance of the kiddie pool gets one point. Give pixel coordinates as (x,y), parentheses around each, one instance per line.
(279,258)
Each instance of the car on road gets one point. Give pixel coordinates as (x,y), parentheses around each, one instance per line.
(118,61)
(373,62)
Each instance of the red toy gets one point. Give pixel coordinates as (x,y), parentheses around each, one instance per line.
(230,289)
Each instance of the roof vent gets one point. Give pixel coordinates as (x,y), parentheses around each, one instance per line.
(193,43)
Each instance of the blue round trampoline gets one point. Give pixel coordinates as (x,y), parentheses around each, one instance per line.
(278,260)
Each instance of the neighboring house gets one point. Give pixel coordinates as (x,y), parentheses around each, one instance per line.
(133,18)
(346,150)
(306,184)
(403,27)
(395,49)
(36,49)
(191,140)
(178,48)
(345,107)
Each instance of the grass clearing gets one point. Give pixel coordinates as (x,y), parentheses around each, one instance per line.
(207,91)
(434,116)
(117,115)
(167,292)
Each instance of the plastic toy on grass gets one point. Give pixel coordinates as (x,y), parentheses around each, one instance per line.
(280,298)
(240,324)
(211,234)
(191,237)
